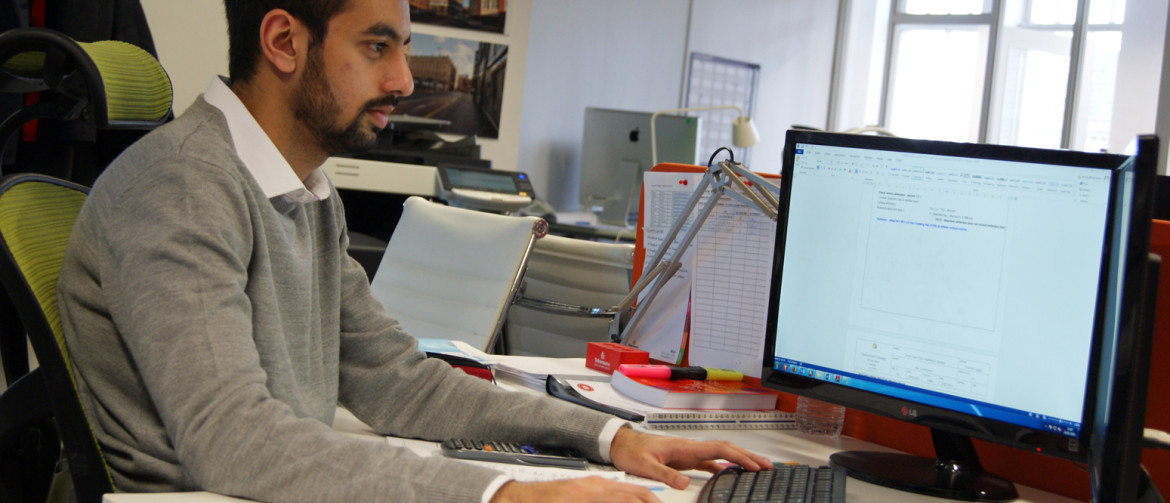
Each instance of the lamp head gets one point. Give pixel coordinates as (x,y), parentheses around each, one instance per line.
(743,132)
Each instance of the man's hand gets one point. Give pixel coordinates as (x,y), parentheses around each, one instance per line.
(660,457)
(588,489)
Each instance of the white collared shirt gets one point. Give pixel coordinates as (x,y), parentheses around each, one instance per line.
(266,164)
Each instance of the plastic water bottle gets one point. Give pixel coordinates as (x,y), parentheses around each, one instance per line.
(819,418)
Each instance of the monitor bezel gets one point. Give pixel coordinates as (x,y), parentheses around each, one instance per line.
(1054,444)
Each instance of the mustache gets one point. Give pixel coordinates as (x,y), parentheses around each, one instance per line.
(391,100)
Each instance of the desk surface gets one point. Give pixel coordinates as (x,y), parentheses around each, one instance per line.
(779,445)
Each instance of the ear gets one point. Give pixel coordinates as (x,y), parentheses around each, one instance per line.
(283,41)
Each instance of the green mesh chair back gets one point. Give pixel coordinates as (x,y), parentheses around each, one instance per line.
(84,87)
(36,216)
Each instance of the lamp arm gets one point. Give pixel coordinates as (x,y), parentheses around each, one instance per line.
(764,188)
(719,179)
(674,263)
(752,199)
(654,138)
(641,284)
(657,263)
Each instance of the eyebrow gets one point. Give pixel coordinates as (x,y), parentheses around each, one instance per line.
(385,30)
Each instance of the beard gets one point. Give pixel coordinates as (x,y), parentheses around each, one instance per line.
(315,105)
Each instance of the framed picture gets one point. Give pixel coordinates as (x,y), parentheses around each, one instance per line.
(482,15)
(457,80)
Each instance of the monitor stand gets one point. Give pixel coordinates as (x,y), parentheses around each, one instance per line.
(955,473)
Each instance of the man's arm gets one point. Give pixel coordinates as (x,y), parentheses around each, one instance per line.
(177,269)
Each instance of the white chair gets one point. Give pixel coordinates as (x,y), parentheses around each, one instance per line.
(568,296)
(451,273)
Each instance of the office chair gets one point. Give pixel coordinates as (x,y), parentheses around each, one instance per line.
(451,273)
(568,297)
(81,90)
(36,216)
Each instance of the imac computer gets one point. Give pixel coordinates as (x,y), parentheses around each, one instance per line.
(968,288)
(615,152)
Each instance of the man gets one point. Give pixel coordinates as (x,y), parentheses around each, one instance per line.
(216,321)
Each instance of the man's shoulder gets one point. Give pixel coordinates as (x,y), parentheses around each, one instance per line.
(196,144)
(200,133)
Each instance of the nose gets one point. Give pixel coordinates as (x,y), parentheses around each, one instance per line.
(398,79)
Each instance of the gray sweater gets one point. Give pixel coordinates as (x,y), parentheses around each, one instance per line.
(214,331)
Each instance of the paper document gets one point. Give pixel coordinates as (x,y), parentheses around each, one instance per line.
(662,328)
(533,370)
(451,347)
(729,292)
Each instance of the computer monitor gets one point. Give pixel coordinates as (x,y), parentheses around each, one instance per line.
(957,286)
(615,152)
(1115,471)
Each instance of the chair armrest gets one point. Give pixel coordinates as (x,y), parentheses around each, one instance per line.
(549,306)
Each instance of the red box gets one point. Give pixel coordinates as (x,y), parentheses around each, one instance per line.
(606,356)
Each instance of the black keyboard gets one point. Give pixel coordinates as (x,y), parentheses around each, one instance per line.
(786,483)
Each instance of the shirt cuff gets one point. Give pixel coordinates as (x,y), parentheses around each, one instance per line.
(605,439)
(494,487)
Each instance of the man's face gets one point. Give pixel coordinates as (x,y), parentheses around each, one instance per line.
(353,78)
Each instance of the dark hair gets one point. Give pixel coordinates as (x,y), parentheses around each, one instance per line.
(243,20)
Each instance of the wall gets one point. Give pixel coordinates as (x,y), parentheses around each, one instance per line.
(1132,113)
(793,42)
(191,39)
(632,55)
(601,53)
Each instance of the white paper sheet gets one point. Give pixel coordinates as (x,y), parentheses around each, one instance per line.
(660,332)
(729,292)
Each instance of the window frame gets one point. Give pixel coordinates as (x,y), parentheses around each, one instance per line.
(992,19)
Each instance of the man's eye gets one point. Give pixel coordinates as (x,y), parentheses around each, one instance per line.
(379,47)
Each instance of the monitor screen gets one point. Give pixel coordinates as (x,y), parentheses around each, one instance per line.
(956,286)
(615,153)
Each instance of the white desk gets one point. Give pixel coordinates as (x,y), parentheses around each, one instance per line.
(779,445)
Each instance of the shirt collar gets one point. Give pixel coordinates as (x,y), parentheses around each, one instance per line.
(265,163)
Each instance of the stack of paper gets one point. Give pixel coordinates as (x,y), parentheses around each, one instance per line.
(600,391)
(533,371)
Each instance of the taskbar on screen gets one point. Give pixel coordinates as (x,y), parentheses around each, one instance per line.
(927,397)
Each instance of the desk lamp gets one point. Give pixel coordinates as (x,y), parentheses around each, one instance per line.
(743,130)
(725,178)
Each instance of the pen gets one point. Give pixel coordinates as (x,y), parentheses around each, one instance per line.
(668,372)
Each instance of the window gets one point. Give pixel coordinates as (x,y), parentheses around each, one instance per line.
(1037,73)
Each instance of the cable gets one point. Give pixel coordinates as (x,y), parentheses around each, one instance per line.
(730,153)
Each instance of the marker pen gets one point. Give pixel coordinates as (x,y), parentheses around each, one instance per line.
(668,372)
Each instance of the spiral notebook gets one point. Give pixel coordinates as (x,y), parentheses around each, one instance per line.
(600,393)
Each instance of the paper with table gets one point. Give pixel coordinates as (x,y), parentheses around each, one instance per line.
(722,285)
